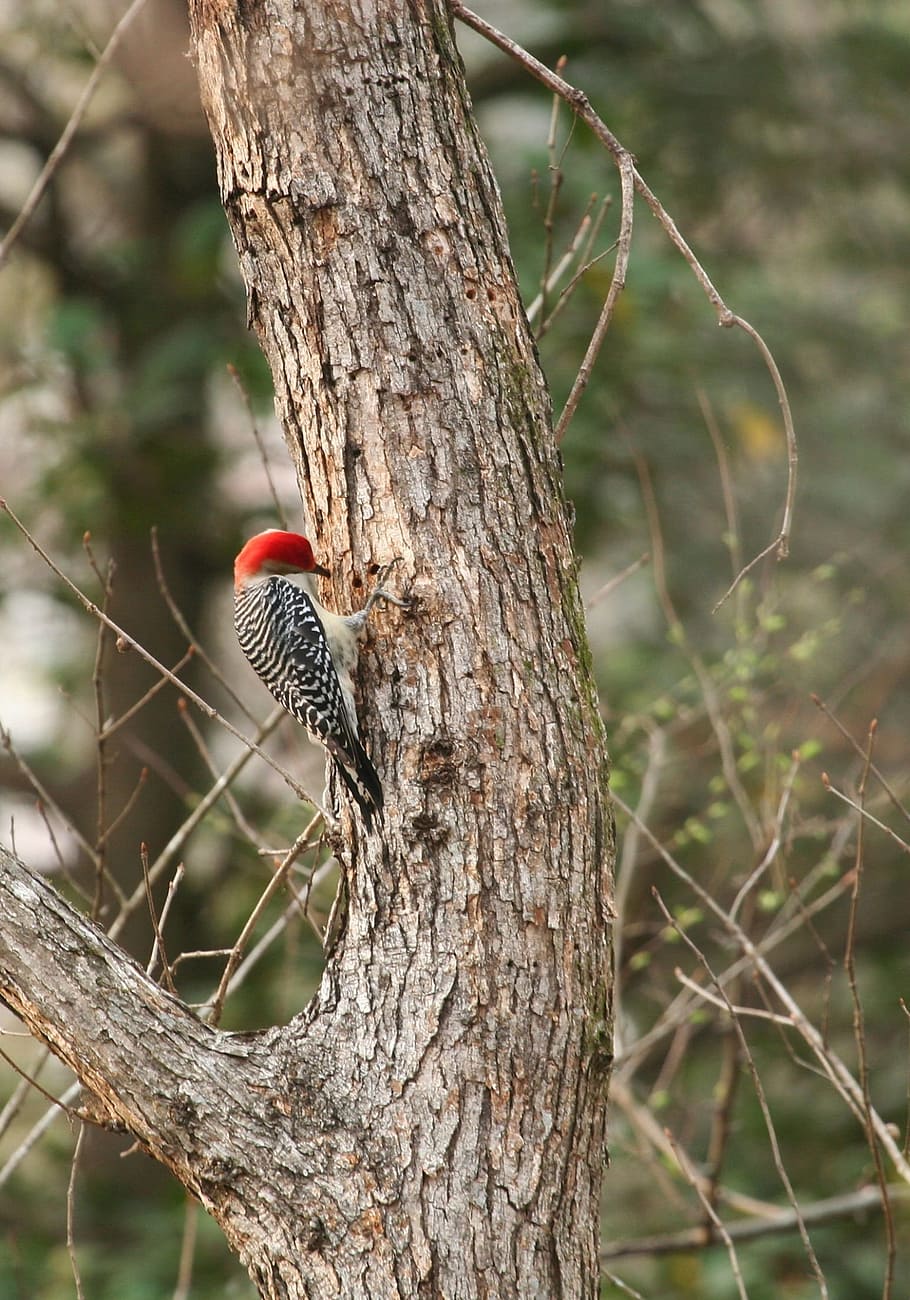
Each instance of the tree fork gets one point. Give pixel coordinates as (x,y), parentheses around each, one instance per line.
(432,1125)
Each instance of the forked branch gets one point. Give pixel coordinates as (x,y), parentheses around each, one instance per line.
(726,318)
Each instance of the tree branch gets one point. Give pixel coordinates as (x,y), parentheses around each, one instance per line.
(726,318)
(59,150)
(101,1015)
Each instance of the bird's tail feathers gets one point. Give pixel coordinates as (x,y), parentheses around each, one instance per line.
(356,770)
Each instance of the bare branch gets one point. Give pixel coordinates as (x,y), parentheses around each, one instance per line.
(60,148)
(187,1251)
(617,284)
(580,105)
(726,482)
(71,1213)
(758,1086)
(60,1106)
(47,799)
(581,235)
(177,841)
(867,1200)
(241,388)
(719,1228)
(184,627)
(708,689)
(617,580)
(832,1066)
(153,914)
(212,1011)
(864,813)
(858,749)
(206,708)
(104,1018)
(859,1029)
(776,839)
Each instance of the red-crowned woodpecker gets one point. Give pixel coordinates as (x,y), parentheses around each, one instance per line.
(305,654)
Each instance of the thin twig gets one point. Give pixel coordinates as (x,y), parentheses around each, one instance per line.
(780,546)
(173,885)
(719,1228)
(556,179)
(859,1031)
(626,868)
(187,1250)
(621,1285)
(59,150)
(906,1146)
(159,937)
(725,1092)
(59,1106)
(101,837)
(33,1083)
(124,812)
(262,946)
(832,1066)
(241,388)
(580,105)
(569,289)
(654,1134)
(201,954)
(177,841)
(562,266)
(726,479)
(617,580)
(47,799)
(724,1004)
(71,1213)
(185,629)
(617,284)
(74,884)
(210,712)
(629,1059)
(213,1009)
(205,753)
(759,1088)
(22,1090)
(865,814)
(858,749)
(706,684)
(116,723)
(777,839)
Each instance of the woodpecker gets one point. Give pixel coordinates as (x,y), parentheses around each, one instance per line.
(305,654)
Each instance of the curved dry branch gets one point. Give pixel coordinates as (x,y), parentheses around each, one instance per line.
(726,318)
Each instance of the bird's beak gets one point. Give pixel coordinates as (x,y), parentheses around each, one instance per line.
(318,568)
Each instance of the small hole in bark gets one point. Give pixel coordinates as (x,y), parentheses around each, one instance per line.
(472,294)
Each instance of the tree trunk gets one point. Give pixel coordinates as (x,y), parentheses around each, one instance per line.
(432,1125)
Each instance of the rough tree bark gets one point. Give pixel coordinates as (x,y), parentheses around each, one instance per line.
(432,1125)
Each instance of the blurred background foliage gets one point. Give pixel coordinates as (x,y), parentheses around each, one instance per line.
(776,133)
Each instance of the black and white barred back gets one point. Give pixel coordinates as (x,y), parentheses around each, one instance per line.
(281,635)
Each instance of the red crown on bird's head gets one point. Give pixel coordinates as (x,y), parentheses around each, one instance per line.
(275,551)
